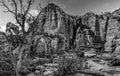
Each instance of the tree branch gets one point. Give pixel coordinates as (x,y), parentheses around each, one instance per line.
(16,13)
(30,2)
(12,11)
(39,7)
(5,5)
(21,6)
(28,7)
(15,5)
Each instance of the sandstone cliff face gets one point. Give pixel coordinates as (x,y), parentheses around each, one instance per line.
(58,26)
(67,31)
(105,26)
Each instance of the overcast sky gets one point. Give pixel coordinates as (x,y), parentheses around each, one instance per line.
(74,7)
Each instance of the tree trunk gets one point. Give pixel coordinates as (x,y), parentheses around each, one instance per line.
(21,50)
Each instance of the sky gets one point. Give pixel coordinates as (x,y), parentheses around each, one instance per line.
(73,7)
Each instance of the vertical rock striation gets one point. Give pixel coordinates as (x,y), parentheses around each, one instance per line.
(67,31)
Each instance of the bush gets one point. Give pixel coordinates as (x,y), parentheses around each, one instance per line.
(68,64)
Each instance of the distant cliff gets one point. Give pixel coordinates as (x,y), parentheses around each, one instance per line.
(88,30)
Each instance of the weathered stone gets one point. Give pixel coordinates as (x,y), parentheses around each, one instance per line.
(77,31)
(58,23)
(90,54)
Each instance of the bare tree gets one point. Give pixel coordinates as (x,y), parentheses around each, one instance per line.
(20,10)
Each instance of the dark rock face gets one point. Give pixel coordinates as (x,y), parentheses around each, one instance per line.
(66,27)
(105,27)
(59,26)
(66,31)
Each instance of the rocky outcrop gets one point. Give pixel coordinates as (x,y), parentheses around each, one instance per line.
(105,27)
(62,31)
(58,28)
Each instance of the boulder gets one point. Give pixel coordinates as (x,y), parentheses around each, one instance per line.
(90,54)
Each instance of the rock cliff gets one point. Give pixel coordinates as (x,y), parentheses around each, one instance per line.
(63,31)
